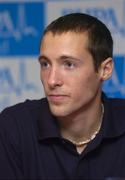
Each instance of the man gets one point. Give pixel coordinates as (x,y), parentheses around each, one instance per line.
(76,131)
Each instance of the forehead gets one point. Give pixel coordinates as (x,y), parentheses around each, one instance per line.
(70,44)
(71,39)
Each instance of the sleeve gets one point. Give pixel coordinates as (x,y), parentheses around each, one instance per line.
(10,152)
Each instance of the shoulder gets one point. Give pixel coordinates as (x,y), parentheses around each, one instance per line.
(21,120)
(117,102)
(18,125)
(117,106)
(26,105)
(22,112)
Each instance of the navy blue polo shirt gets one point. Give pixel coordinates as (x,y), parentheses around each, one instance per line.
(31,146)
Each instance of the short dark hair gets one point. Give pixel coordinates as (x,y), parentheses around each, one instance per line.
(100,43)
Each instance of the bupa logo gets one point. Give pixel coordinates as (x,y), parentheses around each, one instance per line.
(17,82)
(10,84)
(20,28)
(108,15)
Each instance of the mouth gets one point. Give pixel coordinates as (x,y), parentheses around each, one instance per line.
(57,98)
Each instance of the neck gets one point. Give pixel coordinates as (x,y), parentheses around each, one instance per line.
(80,127)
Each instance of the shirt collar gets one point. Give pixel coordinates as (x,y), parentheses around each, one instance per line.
(113,124)
(48,126)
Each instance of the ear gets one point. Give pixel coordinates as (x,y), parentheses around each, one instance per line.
(106,69)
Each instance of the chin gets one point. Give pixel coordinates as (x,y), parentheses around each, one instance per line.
(59,112)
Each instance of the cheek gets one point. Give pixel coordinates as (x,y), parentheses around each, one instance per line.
(86,86)
(43,78)
(41,75)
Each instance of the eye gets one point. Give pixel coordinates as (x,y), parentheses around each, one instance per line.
(69,64)
(44,64)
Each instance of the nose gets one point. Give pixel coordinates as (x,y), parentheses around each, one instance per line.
(54,78)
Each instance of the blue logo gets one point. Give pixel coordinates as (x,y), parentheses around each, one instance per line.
(9,85)
(107,15)
(21,25)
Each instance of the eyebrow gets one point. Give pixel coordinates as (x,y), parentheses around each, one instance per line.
(42,57)
(63,57)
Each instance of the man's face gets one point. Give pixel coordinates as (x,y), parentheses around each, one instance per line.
(67,73)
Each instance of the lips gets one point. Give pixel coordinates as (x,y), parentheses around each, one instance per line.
(57,97)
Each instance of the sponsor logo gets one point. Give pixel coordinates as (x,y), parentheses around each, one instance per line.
(20,29)
(11,85)
(19,80)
